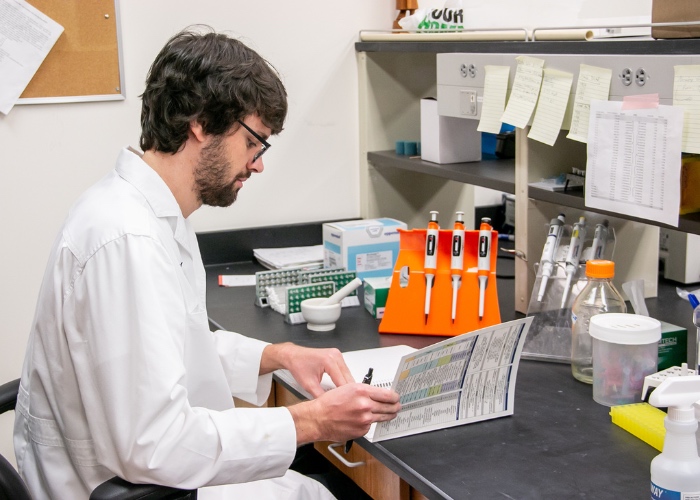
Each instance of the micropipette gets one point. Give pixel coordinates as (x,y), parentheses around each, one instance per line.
(430,266)
(550,248)
(457,261)
(484,261)
(600,238)
(578,235)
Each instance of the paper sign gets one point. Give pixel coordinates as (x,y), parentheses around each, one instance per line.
(526,89)
(26,37)
(495,91)
(593,83)
(634,161)
(549,115)
(686,95)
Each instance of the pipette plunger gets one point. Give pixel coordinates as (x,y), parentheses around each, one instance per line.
(457,259)
(484,261)
(573,257)
(556,226)
(430,265)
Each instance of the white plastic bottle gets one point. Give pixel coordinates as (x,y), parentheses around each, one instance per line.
(675,473)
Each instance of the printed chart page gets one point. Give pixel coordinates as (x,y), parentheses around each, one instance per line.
(458,381)
(634,160)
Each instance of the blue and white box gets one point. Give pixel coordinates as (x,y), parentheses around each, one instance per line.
(369,247)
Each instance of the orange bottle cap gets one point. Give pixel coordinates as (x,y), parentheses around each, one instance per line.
(600,269)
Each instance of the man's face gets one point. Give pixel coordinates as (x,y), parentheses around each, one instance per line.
(227,161)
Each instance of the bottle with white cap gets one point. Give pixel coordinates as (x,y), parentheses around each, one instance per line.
(675,473)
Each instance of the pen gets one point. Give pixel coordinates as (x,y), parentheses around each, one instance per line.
(550,248)
(457,261)
(366,380)
(484,261)
(431,242)
(574,256)
(600,238)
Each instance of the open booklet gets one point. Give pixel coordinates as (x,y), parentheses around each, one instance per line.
(463,379)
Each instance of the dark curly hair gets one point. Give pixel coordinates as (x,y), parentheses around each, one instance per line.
(212,79)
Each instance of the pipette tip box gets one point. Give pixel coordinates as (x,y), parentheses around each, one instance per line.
(369,247)
(641,420)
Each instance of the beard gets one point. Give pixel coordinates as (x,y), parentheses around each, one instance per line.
(210,176)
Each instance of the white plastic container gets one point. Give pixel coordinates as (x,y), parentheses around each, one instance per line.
(675,473)
(625,350)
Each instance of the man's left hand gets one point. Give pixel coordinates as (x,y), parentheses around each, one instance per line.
(307,365)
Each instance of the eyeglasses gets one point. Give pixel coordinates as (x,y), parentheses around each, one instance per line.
(263,143)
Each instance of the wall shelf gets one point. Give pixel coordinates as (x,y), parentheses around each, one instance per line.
(689,223)
(395,76)
(492,173)
(638,46)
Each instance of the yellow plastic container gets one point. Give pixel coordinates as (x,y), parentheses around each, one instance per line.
(641,420)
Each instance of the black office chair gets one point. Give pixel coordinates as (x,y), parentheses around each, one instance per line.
(12,486)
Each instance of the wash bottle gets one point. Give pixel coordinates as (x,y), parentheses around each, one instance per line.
(675,473)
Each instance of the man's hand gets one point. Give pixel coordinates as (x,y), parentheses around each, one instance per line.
(306,365)
(343,413)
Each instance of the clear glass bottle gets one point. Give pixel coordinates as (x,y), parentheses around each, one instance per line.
(597,297)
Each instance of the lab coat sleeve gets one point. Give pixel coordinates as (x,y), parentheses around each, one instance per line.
(126,321)
(240,357)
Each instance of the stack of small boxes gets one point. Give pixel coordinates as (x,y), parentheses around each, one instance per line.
(368,247)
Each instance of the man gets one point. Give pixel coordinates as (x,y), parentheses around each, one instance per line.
(122,375)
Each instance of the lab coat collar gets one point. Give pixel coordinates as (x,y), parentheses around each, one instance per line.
(135,171)
(132,168)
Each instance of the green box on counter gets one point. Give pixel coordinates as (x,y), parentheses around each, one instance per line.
(376,291)
(673,346)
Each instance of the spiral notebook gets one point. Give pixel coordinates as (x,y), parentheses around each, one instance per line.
(461,380)
(383,360)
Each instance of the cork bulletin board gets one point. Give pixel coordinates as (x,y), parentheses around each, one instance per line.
(85,63)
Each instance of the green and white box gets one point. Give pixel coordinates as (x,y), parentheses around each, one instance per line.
(369,247)
(673,346)
(376,291)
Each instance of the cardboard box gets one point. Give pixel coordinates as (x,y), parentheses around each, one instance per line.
(445,139)
(369,247)
(673,346)
(376,290)
(690,179)
(669,11)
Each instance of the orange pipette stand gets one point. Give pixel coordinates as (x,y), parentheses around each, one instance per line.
(405,306)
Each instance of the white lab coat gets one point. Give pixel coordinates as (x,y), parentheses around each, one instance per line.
(122,375)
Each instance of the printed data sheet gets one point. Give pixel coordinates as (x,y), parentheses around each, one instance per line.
(458,381)
(634,160)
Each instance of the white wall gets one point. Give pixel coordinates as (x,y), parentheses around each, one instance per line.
(50,153)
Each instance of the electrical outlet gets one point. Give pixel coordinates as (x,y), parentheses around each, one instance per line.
(468,70)
(640,77)
(626,77)
(467,102)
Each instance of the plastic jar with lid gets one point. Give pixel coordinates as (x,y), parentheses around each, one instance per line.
(625,350)
(599,296)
